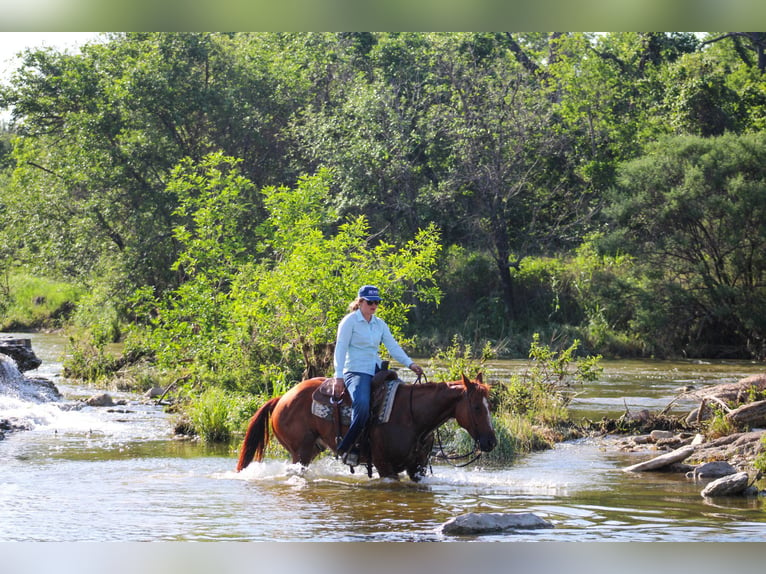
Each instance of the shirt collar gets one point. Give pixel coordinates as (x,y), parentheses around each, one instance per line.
(360,317)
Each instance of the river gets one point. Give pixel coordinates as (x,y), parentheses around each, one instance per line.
(117,474)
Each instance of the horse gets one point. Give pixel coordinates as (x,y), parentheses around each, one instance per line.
(403,443)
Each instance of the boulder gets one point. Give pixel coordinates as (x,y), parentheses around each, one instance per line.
(102,400)
(20,350)
(154,392)
(486,522)
(731,485)
(715,469)
(662,461)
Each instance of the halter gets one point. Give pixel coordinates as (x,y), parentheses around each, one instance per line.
(440,454)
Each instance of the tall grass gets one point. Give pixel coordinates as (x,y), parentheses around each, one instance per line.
(28,302)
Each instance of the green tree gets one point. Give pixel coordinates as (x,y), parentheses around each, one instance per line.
(100,132)
(692,212)
(238,322)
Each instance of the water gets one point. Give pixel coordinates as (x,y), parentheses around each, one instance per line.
(117,474)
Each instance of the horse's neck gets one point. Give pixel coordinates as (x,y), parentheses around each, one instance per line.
(436,404)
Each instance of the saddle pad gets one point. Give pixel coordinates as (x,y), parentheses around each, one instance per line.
(325,411)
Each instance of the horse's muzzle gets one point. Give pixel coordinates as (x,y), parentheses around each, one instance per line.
(487,442)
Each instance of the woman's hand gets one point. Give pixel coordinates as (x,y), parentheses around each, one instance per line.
(415,368)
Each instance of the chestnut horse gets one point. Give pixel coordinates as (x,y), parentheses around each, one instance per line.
(401,444)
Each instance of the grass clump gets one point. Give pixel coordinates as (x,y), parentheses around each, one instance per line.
(30,303)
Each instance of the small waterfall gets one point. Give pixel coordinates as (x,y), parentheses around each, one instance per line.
(15,385)
(24,402)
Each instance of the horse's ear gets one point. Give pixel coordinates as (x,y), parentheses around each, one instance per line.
(466,380)
(478,377)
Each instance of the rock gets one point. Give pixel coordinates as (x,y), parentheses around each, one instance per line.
(663,460)
(154,392)
(102,400)
(727,486)
(698,439)
(715,469)
(730,447)
(749,415)
(20,350)
(657,435)
(484,522)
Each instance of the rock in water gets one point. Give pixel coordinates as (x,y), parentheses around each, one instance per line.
(714,469)
(727,486)
(20,350)
(485,522)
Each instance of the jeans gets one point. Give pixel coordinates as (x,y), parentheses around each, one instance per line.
(358,386)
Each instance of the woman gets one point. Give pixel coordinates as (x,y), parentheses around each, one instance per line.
(360,334)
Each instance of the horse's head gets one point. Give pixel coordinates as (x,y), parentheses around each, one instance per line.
(472,413)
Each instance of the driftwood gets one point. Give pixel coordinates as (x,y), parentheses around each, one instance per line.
(750,415)
(663,460)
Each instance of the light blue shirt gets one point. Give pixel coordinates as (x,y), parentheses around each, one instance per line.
(357,344)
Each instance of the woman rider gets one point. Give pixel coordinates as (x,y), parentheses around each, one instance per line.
(360,334)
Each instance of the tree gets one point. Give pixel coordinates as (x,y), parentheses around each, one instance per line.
(506,179)
(692,212)
(239,322)
(100,132)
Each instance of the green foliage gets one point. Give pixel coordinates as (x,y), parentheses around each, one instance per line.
(691,214)
(543,391)
(88,359)
(760,460)
(508,143)
(256,324)
(530,409)
(459,359)
(719,425)
(210,415)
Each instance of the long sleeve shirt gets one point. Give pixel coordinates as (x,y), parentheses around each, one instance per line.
(358,342)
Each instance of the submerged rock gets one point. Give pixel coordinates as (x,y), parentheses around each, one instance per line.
(102,400)
(486,522)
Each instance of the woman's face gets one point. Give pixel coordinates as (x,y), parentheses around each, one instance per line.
(369,308)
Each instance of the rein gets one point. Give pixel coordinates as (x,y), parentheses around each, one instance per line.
(441,454)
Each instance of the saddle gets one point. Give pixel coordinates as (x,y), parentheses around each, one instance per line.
(331,396)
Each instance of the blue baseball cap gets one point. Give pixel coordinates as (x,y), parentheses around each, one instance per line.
(369,292)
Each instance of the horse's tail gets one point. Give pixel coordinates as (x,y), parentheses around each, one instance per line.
(257,435)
